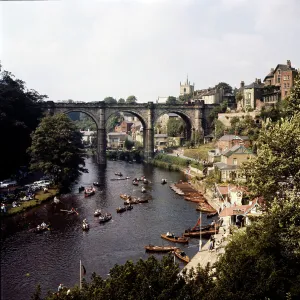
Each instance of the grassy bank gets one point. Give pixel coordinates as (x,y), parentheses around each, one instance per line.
(38,199)
(200,152)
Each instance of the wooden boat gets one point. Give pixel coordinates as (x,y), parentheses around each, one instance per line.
(205,208)
(135,182)
(56,200)
(85,226)
(143,190)
(172,238)
(96,184)
(107,217)
(181,255)
(80,189)
(163,181)
(152,248)
(197,228)
(119,174)
(145,181)
(133,201)
(125,196)
(89,192)
(121,210)
(70,212)
(211,214)
(97,213)
(129,207)
(204,233)
(143,201)
(41,228)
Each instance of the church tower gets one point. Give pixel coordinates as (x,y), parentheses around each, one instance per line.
(186,87)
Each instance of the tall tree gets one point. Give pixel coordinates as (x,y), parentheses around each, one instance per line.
(57,149)
(175,127)
(131,99)
(225,86)
(293,99)
(110,100)
(121,100)
(278,157)
(19,116)
(171,100)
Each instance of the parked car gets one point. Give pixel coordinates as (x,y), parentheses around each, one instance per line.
(7,183)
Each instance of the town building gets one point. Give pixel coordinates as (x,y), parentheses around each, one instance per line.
(186,87)
(117,139)
(88,136)
(283,76)
(227,141)
(124,126)
(251,95)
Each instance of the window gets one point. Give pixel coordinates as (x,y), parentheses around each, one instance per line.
(288,85)
(288,77)
(284,85)
(279,71)
(184,90)
(235,161)
(278,79)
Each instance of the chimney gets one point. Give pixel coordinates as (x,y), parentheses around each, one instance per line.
(272,70)
(288,62)
(256,80)
(242,84)
(259,81)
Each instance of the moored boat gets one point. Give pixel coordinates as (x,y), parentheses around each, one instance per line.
(143,200)
(42,227)
(120,209)
(176,239)
(181,255)
(119,174)
(97,213)
(125,196)
(205,208)
(89,191)
(105,218)
(96,183)
(163,181)
(135,182)
(152,248)
(204,233)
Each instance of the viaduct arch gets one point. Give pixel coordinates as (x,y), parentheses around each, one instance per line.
(196,115)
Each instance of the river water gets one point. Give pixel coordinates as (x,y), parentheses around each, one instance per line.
(52,257)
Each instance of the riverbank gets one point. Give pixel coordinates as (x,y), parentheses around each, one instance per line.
(39,198)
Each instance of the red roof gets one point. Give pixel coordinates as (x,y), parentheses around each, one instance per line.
(236,210)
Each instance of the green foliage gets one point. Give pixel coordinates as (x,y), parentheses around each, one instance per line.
(57,149)
(293,99)
(171,100)
(128,144)
(213,115)
(19,116)
(131,99)
(121,101)
(173,160)
(110,100)
(85,122)
(186,97)
(200,152)
(225,86)
(219,129)
(278,157)
(175,127)
(112,122)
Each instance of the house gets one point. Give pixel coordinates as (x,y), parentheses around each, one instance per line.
(137,133)
(241,214)
(229,140)
(124,126)
(160,141)
(231,159)
(116,139)
(88,135)
(251,95)
(230,194)
(283,76)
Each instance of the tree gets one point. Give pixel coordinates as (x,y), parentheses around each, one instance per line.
(219,129)
(86,123)
(225,86)
(175,127)
(171,100)
(121,100)
(218,109)
(57,149)
(186,97)
(278,157)
(131,99)
(112,122)
(19,116)
(293,100)
(110,100)
(128,144)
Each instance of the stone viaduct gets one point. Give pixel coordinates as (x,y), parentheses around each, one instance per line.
(195,115)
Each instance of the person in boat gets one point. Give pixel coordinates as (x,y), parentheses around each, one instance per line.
(43,225)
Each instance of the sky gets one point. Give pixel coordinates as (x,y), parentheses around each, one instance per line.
(88,50)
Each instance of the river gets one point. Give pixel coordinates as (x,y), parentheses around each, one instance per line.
(52,257)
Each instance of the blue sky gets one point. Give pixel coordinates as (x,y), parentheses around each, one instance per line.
(88,50)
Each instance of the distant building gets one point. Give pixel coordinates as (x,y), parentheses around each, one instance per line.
(251,94)
(116,139)
(160,141)
(88,135)
(227,141)
(123,127)
(283,76)
(186,87)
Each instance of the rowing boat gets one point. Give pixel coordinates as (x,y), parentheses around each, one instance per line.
(152,248)
(181,255)
(175,239)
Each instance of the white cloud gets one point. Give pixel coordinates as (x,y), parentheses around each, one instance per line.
(93,49)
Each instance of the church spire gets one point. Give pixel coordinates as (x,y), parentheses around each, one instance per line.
(187,79)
